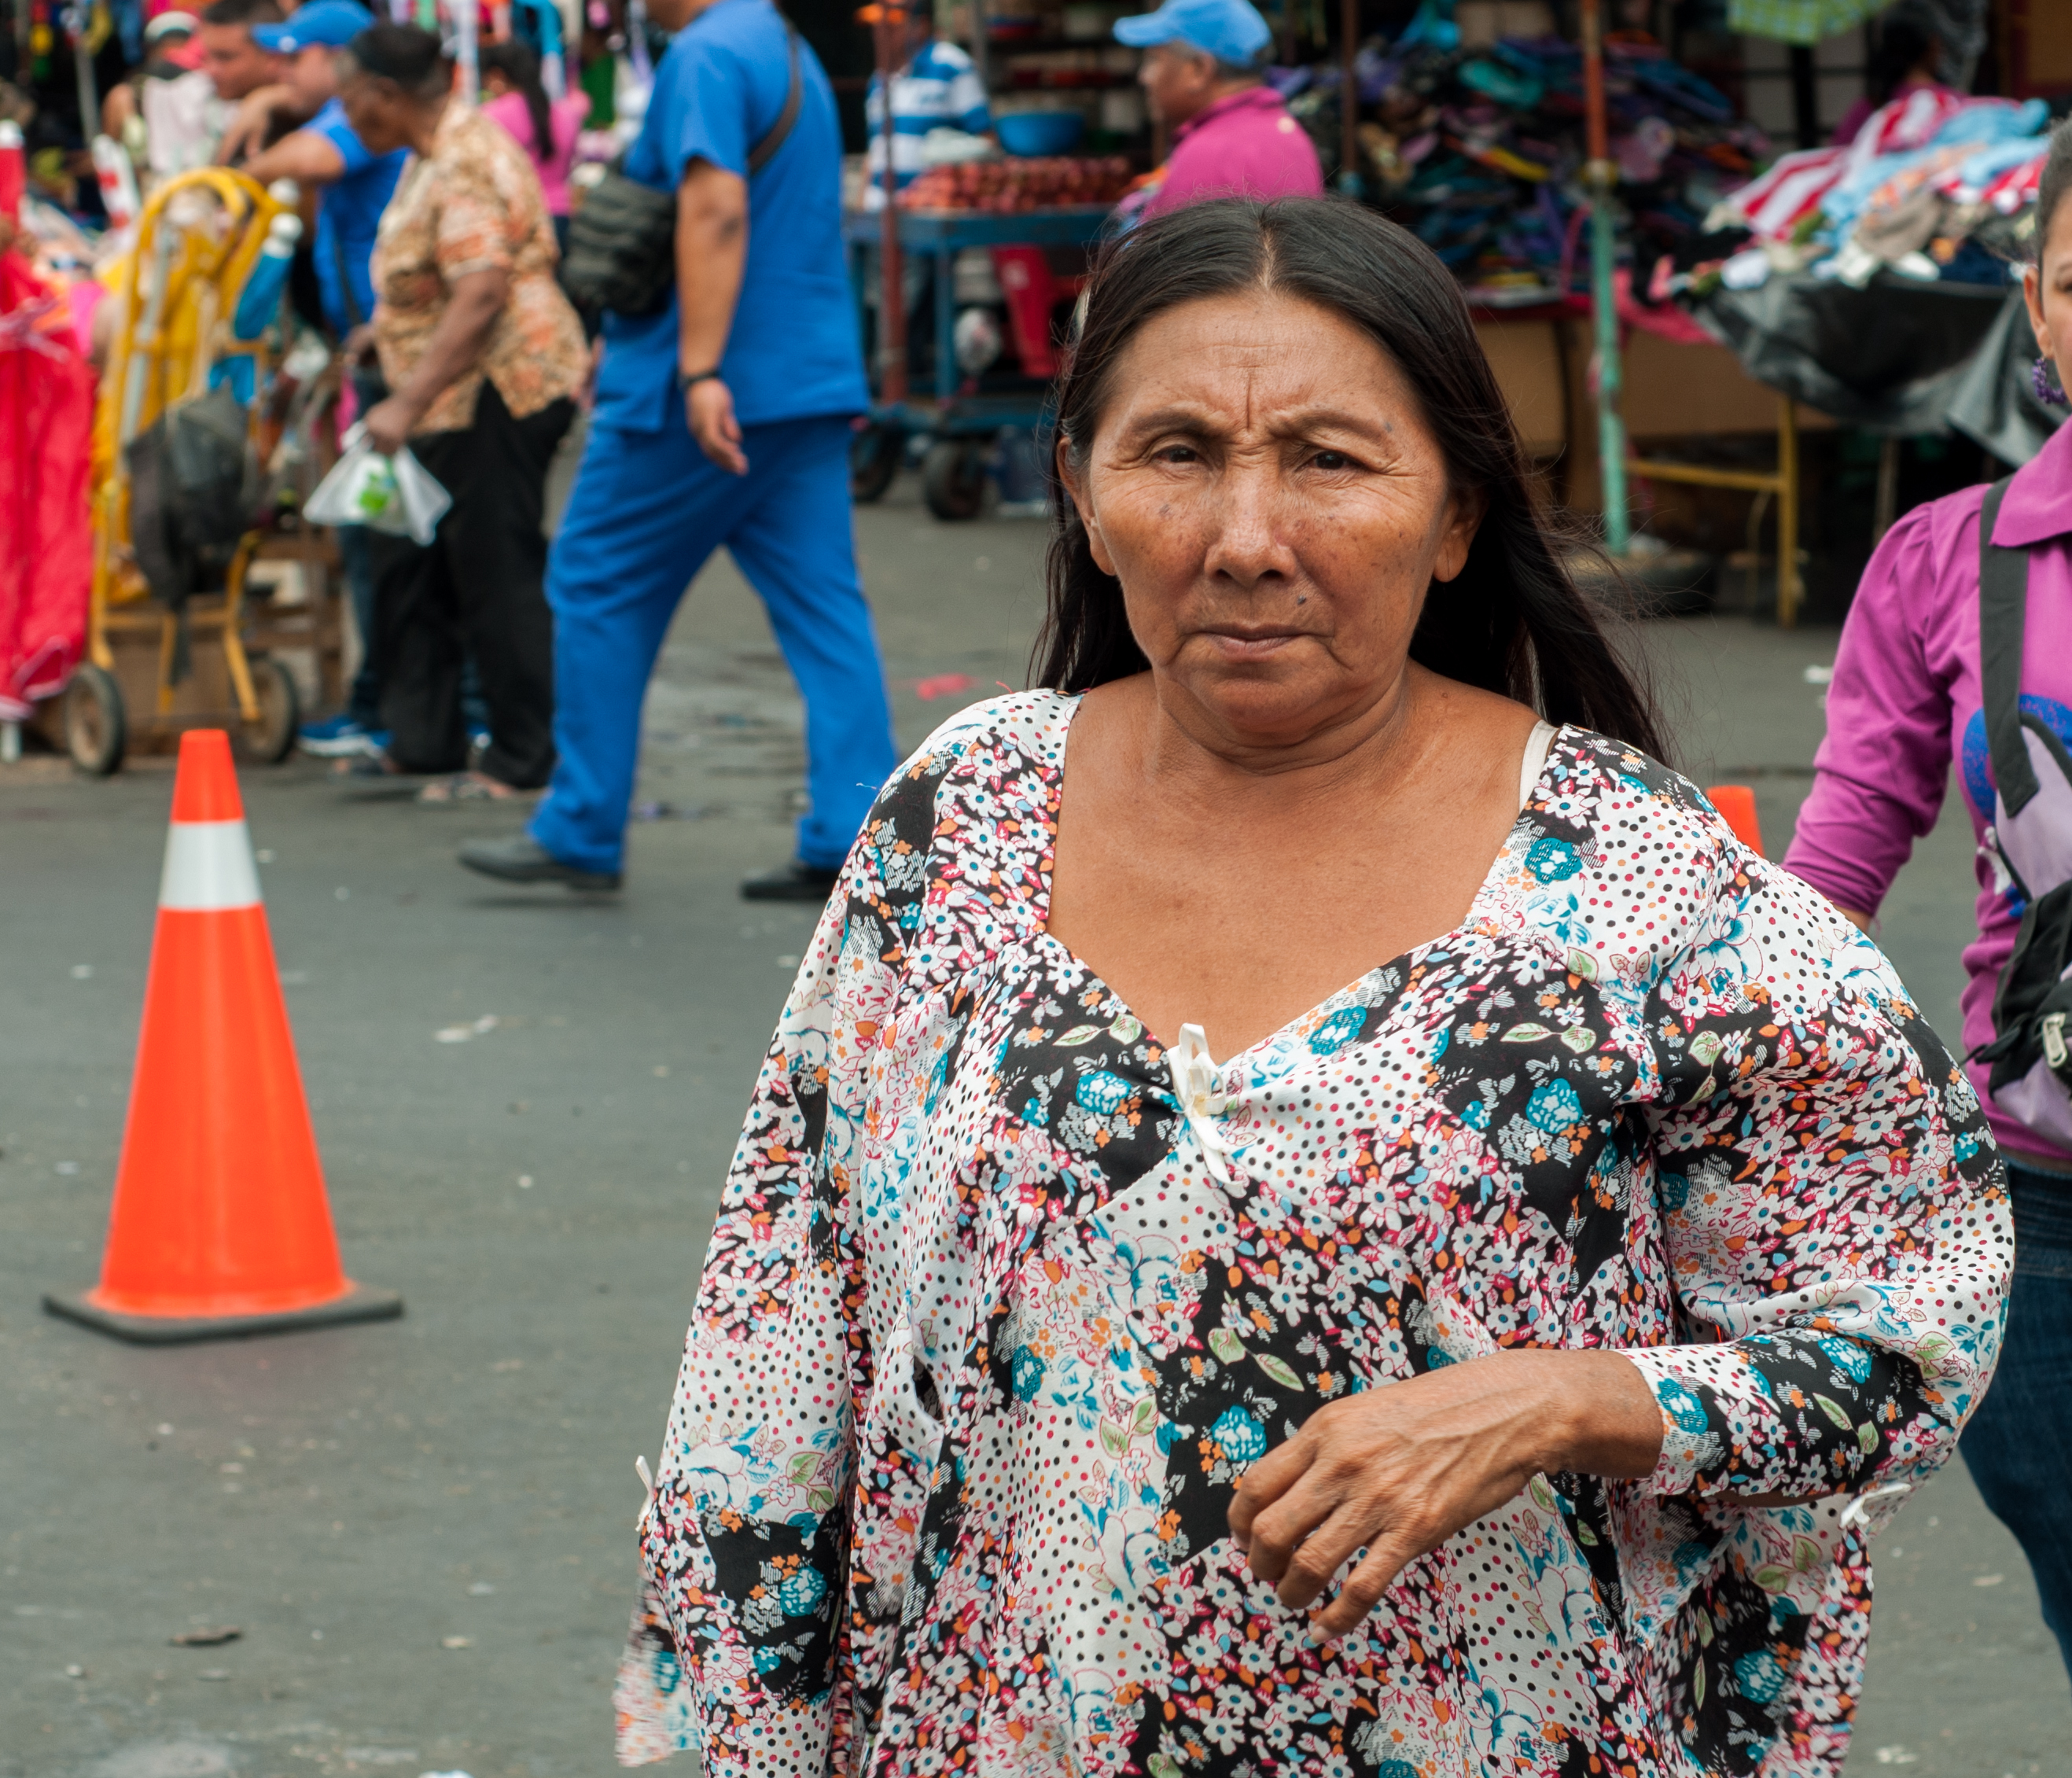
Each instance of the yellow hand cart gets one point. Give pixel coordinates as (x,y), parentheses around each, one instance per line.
(150,671)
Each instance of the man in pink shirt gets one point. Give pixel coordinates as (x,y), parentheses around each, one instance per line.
(1232,137)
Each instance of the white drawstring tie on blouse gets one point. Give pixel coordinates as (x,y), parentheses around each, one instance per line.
(1854,1513)
(1197,1084)
(647,1482)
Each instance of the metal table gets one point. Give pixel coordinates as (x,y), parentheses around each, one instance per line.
(957,423)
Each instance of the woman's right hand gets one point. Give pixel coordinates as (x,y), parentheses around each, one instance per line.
(389,424)
(1397,1471)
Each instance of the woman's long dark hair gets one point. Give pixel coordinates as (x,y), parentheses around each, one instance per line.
(1513,621)
(517,62)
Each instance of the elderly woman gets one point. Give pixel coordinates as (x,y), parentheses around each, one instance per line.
(483,357)
(1312,1210)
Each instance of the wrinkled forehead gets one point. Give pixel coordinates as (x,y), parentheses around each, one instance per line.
(1256,359)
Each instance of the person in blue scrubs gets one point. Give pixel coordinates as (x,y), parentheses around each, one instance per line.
(355,188)
(724,420)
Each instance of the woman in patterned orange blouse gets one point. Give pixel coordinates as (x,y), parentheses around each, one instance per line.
(483,357)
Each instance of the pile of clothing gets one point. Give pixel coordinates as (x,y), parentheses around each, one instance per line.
(1936,186)
(1480,151)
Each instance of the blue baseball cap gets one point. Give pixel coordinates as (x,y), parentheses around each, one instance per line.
(1231,31)
(333,23)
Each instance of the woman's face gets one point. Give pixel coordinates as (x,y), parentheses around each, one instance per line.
(377,111)
(2048,286)
(1264,485)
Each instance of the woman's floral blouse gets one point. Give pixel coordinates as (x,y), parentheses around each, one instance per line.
(983,1344)
(474,205)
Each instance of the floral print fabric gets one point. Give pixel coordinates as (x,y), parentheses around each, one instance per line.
(474,205)
(983,1346)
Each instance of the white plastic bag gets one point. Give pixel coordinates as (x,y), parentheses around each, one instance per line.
(396,494)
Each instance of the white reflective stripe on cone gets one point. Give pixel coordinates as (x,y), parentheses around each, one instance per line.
(208,865)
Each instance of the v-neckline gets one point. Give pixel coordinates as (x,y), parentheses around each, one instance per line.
(1402,959)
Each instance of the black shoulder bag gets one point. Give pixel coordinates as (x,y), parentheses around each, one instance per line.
(622,253)
(2030,1056)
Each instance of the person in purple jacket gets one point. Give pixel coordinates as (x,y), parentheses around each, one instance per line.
(1905,702)
(1232,137)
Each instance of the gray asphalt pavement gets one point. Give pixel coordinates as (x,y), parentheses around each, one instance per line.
(422,1530)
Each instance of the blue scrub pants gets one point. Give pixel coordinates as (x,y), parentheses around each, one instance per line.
(647,510)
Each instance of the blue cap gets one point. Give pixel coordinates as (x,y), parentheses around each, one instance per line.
(334,23)
(1231,31)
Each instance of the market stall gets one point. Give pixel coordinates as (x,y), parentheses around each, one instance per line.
(960,412)
(996,234)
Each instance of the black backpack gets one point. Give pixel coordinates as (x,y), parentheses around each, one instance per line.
(194,491)
(622,253)
(2030,1053)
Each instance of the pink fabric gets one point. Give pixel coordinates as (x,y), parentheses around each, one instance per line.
(82,299)
(46,448)
(1244,145)
(567,114)
(1905,702)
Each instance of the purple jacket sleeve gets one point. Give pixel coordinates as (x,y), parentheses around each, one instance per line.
(1879,775)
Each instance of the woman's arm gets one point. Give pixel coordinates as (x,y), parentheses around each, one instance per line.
(476,299)
(1880,773)
(1831,1210)
(1398,1470)
(744,1547)
(304,156)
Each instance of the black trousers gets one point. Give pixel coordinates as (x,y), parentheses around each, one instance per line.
(477,590)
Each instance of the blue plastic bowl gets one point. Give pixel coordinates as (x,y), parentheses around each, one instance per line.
(1031,133)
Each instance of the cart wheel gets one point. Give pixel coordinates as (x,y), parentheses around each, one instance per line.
(269,741)
(96,730)
(953,479)
(874,452)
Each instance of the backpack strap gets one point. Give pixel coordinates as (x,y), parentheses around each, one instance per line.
(2003,618)
(759,156)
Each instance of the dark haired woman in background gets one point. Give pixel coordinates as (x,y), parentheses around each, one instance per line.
(1906,57)
(1907,698)
(483,357)
(546,128)
(1312,1210)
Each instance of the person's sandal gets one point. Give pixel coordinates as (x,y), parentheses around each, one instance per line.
(469,787)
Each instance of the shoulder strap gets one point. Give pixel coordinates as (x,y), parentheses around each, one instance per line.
(2003,618)
(759,156)
(353,317)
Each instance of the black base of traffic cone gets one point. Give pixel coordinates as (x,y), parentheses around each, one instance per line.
(361,1302)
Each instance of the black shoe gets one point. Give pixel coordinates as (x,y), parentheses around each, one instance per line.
(518,857)
(797,880)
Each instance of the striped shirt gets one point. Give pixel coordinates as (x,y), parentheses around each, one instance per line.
(938,89)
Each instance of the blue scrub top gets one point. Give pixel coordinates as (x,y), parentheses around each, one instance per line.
(348,213)
(793,352)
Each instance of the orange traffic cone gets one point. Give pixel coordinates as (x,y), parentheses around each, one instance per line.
(1736,804)
(221,1227)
